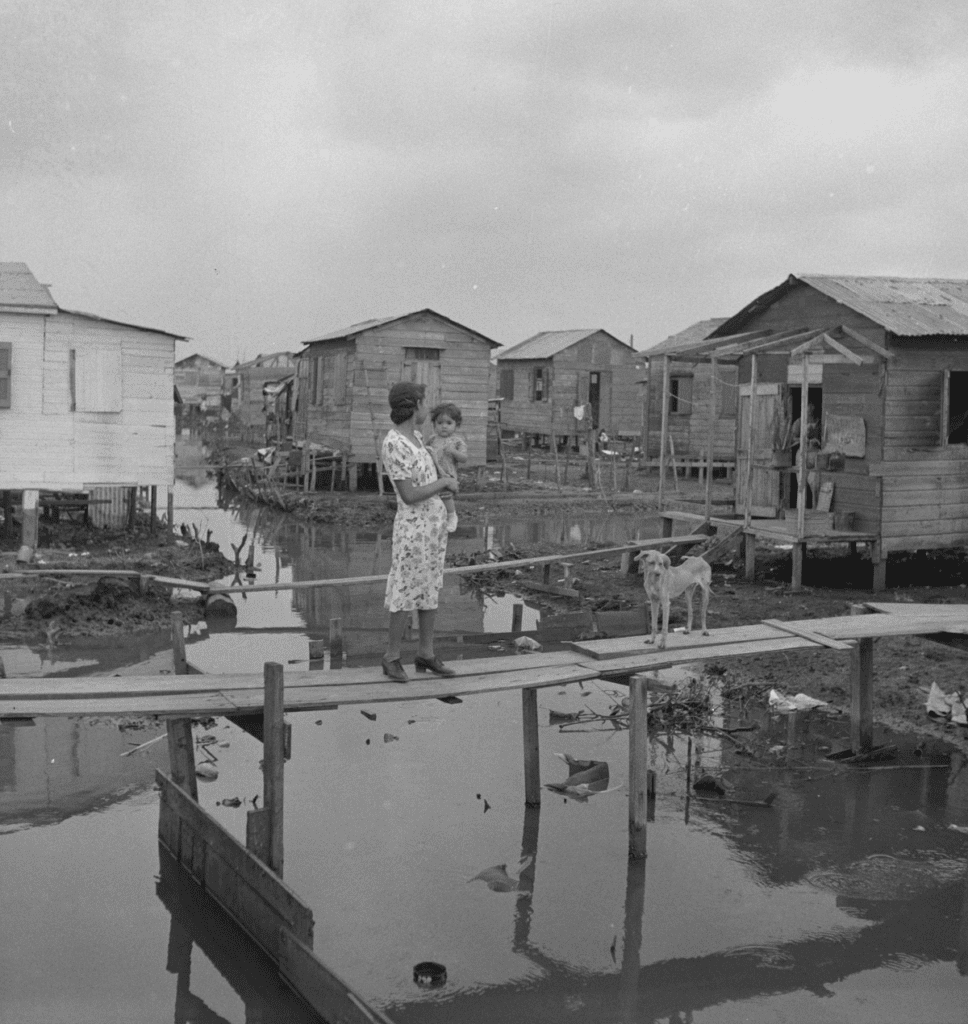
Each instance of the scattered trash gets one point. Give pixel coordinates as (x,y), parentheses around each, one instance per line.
(231,801)
(388,737)
(563,716)
(920,828)
(885,752)
(428,974)
(946,706)
(801,702)
(368,714)
(527,643)
(498,879)
(959,828)
(208,772)
(585,778)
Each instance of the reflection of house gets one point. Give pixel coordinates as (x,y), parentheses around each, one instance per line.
(63,766)
(885,362)
(344,377)
(247,394)
(199,382)
(691,398)
(543,379)
(84,401)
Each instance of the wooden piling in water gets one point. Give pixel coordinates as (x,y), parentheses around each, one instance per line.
(273,761)
(638,762)
(517,617)
(532,767)
(335,643)
(181,743)
(861,691)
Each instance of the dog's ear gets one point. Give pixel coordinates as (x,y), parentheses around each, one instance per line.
(662,561)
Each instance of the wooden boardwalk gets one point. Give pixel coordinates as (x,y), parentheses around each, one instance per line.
(179,696)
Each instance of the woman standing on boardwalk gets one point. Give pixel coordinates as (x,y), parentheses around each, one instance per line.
(419,532)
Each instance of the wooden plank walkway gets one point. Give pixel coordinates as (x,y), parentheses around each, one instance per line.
(201,695)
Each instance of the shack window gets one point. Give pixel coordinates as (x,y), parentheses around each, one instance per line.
(6,355)
(506,389)
(955,414)
(680,395)
(414,354)
(538,390)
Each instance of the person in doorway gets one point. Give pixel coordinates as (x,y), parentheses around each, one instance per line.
(449,450)
(419,532)
(812,447)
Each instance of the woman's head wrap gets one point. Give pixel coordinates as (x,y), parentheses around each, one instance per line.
(404,399)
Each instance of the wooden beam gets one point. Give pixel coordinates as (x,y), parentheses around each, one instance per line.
(664,432)
(866,342)
(808,634)
(802,453)
(638,763)
(532,766)
(274,760)
(843,350)
(711,437)
(181,742)
(747,516)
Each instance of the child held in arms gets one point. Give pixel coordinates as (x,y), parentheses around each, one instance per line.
(449,450)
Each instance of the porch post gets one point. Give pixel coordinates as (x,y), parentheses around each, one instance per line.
(797,577)
(754,369)
(711,438)
(665,429)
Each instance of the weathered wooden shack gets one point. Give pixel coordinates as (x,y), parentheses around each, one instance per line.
(694,399)
(247,383)
(199,380)
(85,402)
(344,376)
(543,379)
(884,363)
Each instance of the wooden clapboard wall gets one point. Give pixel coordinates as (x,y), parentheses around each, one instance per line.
(91,403)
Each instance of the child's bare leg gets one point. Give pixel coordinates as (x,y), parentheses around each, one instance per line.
(451,512)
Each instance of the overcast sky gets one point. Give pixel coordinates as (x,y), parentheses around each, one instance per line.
(254,173)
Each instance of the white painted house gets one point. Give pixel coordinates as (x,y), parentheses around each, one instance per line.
(85,402)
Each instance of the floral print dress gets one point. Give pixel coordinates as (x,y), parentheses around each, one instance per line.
(419,530)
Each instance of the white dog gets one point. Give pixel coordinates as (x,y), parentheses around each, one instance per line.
(665,582)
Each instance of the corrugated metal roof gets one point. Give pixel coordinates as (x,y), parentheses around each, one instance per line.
(369,325)
(906,306)
(122,323)
(546,344)
(19,287)
(685,339)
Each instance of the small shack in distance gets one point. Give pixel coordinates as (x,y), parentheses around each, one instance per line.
(543,379)
(246,396)
(344,376)
(199,380)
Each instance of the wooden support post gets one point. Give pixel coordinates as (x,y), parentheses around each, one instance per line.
(132,506)
(667,524)
(638,762)
(749,555)
(532,766)
(30,506)
(626,562)
(664,431)
(861,691)
(517,617)
(153,524)
(796,570)
(274,759)
(711,438)
(546,574)
(802,453)
(646,415)
(879,563)
(335,643)
(748,512)
(181,743)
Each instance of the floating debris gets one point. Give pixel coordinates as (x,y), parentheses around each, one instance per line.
(526,643)
(498,879)
(208,772)
(800,702)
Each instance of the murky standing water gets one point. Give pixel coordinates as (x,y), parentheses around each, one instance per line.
(845,900)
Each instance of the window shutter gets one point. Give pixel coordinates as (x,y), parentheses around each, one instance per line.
(507,384)
(6,355)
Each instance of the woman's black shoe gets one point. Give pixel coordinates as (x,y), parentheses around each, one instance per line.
(434,664)
(394,669)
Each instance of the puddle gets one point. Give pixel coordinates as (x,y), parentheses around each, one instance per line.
(850,888)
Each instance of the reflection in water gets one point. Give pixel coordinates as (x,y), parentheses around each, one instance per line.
(197,920)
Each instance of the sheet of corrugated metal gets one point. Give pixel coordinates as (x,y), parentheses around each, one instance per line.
(905,306)
(114,512)
(543,345)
